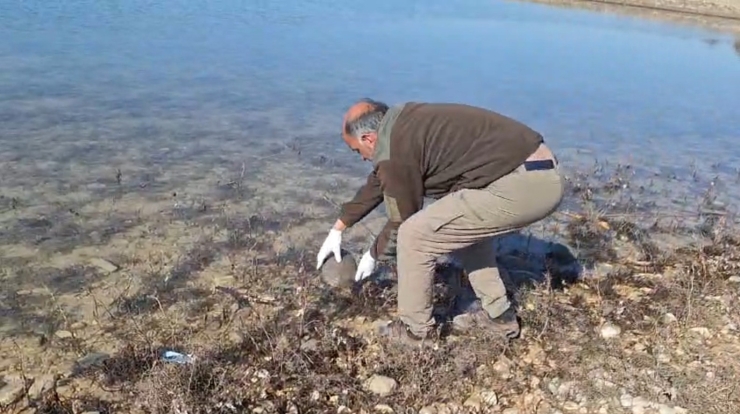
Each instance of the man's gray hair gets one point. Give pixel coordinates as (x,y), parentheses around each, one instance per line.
(368,121)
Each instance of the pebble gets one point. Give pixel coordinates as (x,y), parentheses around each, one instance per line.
(481,399)
(625,401)
(429,409)
(503,368)
(383,408)
(63,334)
(640,405)
(473,402)
(664,358)
(381,385)
(508,411)
(701,330)
(77,326)
(570,406)
(609,331)
(734,279)
(489,398)
(450,408)
(669,318)
(665,409)
(534,383)
(564,390)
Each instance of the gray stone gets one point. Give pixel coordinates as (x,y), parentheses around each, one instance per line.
(41,385)
(11,389)
(103,265)
(381,385)
(93,359)
(339,275)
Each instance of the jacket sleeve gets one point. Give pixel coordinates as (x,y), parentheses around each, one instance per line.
(367,198)
(402,187)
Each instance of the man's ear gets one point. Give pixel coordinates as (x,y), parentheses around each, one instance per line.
(369,138)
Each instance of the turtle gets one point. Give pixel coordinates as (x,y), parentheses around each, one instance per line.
(342,274)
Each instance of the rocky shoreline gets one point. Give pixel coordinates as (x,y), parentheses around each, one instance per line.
(614,321)
(720,15)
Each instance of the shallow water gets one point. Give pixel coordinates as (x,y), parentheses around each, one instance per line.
(116,115)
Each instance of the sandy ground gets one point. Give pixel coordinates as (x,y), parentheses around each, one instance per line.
(721,15)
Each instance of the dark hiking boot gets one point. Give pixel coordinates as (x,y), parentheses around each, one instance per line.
(506,325)
(397,331)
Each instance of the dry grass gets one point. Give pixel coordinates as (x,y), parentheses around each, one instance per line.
(276,341)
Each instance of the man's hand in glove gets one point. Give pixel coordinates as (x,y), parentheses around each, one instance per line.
(365,268)
(332,244)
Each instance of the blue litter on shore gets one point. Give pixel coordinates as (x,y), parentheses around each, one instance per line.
(176,357)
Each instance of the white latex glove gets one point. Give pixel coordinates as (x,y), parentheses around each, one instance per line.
(366,267)
(332,244)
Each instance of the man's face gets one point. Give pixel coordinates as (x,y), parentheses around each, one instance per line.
(365,145)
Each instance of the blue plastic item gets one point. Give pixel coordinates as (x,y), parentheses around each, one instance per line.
(176,357)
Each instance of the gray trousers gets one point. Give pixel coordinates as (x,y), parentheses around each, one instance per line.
(462,224)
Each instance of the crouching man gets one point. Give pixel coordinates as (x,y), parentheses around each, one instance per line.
(489,174)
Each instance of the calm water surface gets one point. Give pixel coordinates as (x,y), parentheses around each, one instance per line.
(177,91)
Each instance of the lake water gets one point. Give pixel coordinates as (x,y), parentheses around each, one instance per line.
(113,113)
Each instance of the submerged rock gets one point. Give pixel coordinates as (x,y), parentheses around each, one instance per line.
(104,265)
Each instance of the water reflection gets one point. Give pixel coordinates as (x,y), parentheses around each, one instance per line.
(126,127)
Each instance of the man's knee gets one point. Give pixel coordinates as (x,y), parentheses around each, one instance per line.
(411,231)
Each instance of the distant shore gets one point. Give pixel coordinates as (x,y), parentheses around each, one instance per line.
(721,15)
